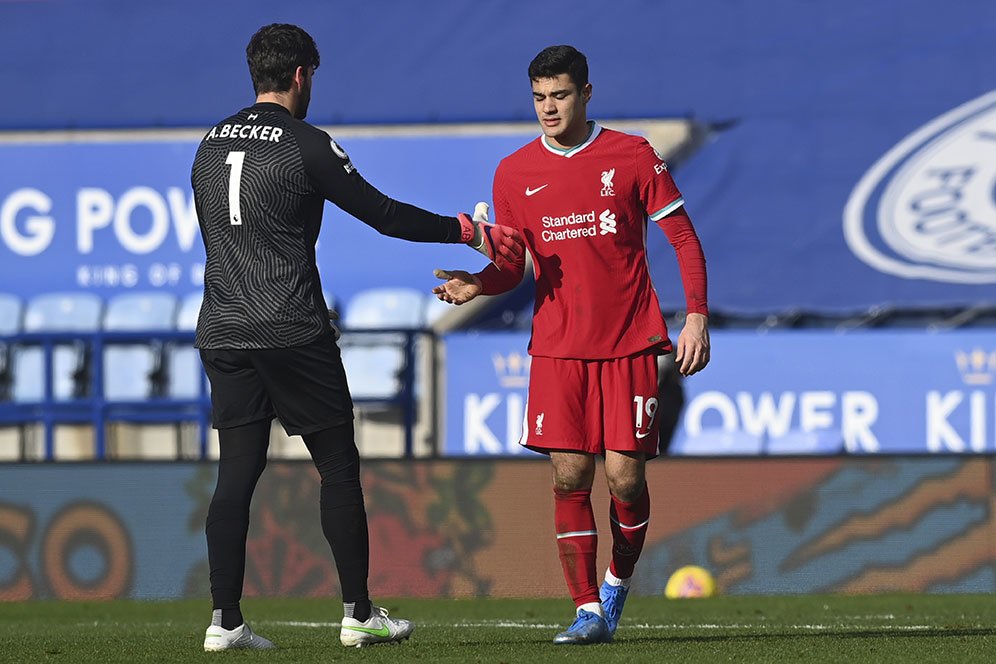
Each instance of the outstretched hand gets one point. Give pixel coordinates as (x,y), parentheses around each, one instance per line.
(693,345)
(460,286)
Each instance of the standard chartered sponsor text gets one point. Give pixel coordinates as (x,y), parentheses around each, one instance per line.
(569,224)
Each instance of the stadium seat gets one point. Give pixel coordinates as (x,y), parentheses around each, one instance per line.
(379,308)
(190,309)
(374,362)
(184,362)
(10,323)
(143,392)
(132,372)
(10,314)
(63,312)
(436,309)
(55,312)
(373,372)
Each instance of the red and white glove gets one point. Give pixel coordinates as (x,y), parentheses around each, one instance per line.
(501,244)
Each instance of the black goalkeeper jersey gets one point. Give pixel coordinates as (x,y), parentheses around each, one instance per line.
(260,180)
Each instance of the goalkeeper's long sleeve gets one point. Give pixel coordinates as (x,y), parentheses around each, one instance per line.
(691,261)
(332,175)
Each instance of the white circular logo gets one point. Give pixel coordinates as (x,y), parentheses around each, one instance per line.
(927,209)
(338,150)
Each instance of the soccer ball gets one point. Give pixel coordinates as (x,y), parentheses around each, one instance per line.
(690,581)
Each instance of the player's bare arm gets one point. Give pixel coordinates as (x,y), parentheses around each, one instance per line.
(693,345)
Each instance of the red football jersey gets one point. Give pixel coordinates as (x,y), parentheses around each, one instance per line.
(583,214)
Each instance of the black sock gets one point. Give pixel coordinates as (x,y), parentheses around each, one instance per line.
(359,610)
(231,618)
(241,461)
(344,519)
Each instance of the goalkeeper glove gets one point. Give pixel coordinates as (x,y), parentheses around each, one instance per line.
(501,244)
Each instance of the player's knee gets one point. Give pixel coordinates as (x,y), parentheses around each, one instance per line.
(573,472)
(224,509)
(574,479)
(345,493)
(627,488)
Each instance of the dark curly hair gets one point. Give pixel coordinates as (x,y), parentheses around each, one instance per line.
(275,52)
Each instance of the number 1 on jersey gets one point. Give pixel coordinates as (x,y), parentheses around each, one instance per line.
(235,160)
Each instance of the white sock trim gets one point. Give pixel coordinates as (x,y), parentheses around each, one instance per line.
(577,533)
(592,607)
(614,580)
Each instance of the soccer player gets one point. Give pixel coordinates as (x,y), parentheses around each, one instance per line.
(261,178)
(581,195)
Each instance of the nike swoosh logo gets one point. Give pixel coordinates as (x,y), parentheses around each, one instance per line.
(642,435)
(530,192)
(380,631)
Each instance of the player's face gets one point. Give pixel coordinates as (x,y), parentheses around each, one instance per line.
(561,109)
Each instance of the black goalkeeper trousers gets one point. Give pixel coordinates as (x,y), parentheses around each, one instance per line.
(343,517)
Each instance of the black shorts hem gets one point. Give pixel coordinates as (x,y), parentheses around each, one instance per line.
(242,421)
(312,428)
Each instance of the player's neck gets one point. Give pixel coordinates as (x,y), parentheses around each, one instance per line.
(285,99)
(573,138)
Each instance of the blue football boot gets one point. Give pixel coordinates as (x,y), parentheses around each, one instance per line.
(613,598)
(587,628)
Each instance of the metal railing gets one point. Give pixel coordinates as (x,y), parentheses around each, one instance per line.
(90,406)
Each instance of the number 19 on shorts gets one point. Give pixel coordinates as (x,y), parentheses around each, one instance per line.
(646,410)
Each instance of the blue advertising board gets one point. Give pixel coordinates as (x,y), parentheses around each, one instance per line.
(113,216)
(487,374)
(778,393)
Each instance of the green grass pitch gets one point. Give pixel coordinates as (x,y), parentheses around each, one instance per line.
(888,628)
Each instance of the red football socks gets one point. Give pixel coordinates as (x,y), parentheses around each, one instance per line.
(577,543)
(629,530)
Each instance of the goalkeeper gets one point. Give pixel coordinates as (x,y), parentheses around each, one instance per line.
(261,178)
(581,196)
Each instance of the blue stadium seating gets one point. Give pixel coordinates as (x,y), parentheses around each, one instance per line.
(10,323)
(55,312)
(130,369)
(63,312)
(156,379)
(379,308)
(11,311)
(436,309)
(380,367)
(184,368)
(190,309)
(374,372)
(374,362)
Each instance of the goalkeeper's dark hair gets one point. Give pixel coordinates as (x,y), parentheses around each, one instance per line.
(553,61)
(275,52)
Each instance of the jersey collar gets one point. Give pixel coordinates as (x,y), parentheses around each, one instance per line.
(593,130)
(269,106)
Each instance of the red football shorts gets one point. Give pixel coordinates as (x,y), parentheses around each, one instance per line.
(592,405)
